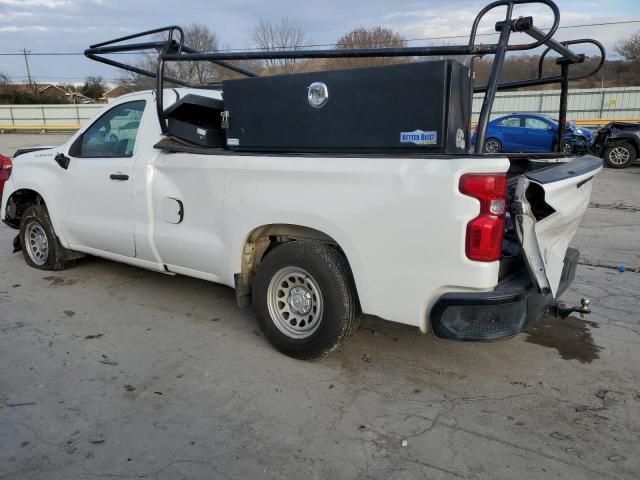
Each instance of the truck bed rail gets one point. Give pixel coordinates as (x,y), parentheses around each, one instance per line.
(173,49)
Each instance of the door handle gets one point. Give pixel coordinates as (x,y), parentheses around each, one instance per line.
(119,176)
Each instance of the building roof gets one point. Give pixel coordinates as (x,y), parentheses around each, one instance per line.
(57,87)
(30,87)
(117,91)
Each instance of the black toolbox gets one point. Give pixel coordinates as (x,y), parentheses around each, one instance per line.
(197,120)
(412,107)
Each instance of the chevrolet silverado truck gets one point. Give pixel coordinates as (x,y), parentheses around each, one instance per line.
(319,197)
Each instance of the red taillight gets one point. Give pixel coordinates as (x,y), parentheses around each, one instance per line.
(5,171)
(485,232)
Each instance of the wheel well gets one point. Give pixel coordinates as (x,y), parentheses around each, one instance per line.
(264,239)
(622,141)
(18,202)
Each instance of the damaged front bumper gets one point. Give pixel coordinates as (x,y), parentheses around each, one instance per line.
(501,313)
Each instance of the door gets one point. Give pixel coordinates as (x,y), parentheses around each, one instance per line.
(539,134)
(509,132)
(548,206)
(98,198)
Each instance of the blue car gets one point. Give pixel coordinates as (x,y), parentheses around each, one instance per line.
(524,132)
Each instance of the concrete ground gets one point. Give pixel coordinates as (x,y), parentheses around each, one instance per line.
(111,371)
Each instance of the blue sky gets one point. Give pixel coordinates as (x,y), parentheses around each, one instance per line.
(71,25)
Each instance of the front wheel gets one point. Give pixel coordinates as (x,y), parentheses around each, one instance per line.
(620,155)
(304,299)
(38,240)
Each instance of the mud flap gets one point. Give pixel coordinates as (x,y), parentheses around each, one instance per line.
(547,208)
(16,244)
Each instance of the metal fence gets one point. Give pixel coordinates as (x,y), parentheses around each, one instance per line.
(588,107)
(46,117)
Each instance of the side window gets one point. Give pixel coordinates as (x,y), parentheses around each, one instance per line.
(114,133)
(536,123)
(510,122)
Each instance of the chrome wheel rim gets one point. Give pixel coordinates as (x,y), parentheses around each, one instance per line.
(619,155)
(566,148)
(295,302)
(36,243)
(492,146)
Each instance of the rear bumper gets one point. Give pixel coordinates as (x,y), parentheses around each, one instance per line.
(501,313)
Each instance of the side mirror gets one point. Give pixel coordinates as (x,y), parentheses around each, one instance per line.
(62,160)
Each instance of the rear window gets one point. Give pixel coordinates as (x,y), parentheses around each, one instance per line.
(510,122)
(536,123)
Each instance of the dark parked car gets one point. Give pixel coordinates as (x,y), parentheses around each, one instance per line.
(618,144)
(524,132)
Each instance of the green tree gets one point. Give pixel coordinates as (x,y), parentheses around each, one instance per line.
(94,87)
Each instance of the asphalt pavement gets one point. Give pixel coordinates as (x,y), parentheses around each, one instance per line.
(111,371)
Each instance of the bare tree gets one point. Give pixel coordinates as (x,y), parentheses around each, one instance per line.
(284,35)
(204,40)
(4,79)
(196,36)
(630,48)
(375,37)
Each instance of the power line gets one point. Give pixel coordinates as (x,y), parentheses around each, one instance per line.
(448,37)
(59,54)
(316,45)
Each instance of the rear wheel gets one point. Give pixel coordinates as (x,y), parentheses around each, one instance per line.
(492,145)
(39,242)
(619,155)
(304,299)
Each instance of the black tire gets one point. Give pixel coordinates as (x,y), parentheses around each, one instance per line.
(492,145)
(620,155)
(566,148)
(330,272)
(34,217)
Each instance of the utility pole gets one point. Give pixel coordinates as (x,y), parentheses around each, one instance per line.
(26,61)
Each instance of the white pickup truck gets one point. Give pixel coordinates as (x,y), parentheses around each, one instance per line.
(320,196)
(315,240)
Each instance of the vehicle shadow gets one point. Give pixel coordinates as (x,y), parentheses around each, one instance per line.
(390,348)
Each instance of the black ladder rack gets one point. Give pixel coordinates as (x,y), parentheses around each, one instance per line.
(173,49)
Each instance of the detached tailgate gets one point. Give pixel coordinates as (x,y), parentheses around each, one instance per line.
(547,208)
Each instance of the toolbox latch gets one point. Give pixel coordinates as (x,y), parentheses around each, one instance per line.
(224,123)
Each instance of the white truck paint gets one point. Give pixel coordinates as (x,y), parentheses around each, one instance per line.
(401,222)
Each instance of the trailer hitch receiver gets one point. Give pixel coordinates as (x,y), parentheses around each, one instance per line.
(563,310)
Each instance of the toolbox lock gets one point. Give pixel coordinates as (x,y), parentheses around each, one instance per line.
(317,94)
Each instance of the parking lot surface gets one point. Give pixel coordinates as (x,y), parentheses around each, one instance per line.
(112,371)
